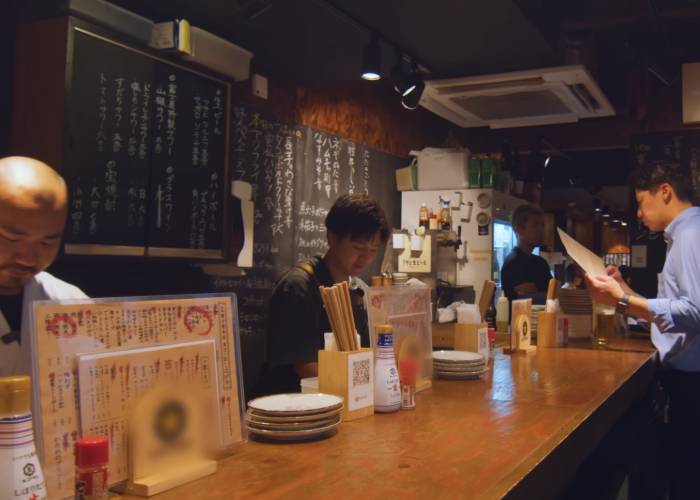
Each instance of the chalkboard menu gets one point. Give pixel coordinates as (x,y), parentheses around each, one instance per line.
(297,173)
(146,154)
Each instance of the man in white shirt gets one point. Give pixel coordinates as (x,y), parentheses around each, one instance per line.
(33,207)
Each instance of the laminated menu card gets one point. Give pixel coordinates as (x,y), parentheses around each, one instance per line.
(63,329)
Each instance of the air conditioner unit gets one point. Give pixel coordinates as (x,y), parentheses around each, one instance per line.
(519,99)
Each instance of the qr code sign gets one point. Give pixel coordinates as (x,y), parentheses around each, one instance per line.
(360,372)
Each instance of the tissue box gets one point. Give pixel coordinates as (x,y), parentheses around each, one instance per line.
(442,168)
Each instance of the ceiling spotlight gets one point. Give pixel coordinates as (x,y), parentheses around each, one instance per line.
(546,161)
(372,60)
(623,223)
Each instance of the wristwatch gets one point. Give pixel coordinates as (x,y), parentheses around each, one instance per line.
(623,304)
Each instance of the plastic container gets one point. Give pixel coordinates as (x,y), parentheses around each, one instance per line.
(387,393)
(502,307)
(468,313)
(91,459)
(408,368)
(20,470)
(309,385)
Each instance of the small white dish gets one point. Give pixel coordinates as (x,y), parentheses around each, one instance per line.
(264,417)
(296,404)
(457,356)
(461,376)
(293,435)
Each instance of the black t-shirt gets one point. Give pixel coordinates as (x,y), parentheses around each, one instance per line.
(11,307)
(297,322)
(519,268)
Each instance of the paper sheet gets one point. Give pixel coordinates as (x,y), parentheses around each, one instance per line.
(589,262)
(110,384)
(63,329)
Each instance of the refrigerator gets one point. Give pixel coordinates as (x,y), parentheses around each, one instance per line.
(486,233)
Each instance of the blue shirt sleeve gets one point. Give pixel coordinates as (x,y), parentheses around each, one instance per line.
(681,314)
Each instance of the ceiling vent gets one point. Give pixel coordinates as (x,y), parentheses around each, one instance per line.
(519,99)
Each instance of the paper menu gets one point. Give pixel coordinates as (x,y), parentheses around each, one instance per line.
(110,383)
(62,329)
(589,262)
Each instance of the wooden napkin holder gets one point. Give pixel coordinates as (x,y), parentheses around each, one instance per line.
(350,375)
(473,337)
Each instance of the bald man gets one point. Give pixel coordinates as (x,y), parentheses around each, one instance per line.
(33,206)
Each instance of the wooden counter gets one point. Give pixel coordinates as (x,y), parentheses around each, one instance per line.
(519,432)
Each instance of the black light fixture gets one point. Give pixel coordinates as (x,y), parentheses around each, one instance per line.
(372,60)
(403,75)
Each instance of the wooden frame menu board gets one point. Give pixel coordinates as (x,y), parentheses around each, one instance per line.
(63,329)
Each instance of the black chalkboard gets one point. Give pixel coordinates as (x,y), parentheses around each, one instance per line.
(146,153)
(296,172)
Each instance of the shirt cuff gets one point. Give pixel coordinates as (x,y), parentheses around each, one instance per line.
(660,310)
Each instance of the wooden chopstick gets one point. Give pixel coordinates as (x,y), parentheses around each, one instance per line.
(552,288)
(345,295)
(328,304)
(336,301)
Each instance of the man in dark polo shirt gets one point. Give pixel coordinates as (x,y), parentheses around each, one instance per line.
(356,228)
(524,274)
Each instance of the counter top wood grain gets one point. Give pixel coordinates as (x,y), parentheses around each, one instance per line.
(519,432)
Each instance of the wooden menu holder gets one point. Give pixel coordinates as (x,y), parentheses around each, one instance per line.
(167,442)
(350,375)
(472,337)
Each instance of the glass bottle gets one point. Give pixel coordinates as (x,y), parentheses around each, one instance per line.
(21,476)
(424,216)
(387,393)
(91,459)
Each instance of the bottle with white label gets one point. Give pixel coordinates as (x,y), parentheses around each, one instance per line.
(502,313)
(21,477)
(387,389)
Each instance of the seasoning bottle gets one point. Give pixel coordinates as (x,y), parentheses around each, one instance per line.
(424,216)
(387,395)
(445,214)
(433,225)
(21,476)
(407,374)
(91,459)
(502,307)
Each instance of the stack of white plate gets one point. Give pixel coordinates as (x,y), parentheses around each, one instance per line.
(458,365)
(294,417)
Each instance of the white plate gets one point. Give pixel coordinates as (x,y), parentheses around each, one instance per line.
(462,369)
(457,356)
(296,404)
(292,435)
(264,417)
(292,426)
(461,376)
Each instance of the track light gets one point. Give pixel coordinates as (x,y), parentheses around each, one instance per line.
(372,60)
(412,98)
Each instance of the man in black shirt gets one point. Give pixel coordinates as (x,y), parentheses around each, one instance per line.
(356,229)
(524,274)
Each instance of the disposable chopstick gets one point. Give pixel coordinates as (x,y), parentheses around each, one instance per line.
(552,288)
(328,304)
(345,293)
(342,320)
(486,297)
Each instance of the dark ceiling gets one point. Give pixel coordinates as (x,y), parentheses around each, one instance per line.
(321,41)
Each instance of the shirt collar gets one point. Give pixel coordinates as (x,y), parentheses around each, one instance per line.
(675,224)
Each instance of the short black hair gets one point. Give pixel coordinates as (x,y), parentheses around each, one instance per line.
(523,213)
(573,270)
(650,175)
(358,216)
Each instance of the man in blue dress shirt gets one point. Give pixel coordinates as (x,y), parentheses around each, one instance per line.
(664,192)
